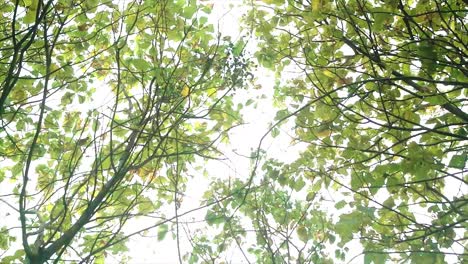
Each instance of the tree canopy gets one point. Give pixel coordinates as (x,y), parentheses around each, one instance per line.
(106,108)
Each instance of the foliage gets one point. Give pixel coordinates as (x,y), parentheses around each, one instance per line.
(105,106)
(378,100)
(100,107)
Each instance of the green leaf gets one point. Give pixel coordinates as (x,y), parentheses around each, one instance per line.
(389,203)
(298,184)
(310,196)
(141,64)
(189,11)
(347,224)
(275,132)
(30,16)
(325,112)
(426,257)
(356,182)
(435,99)
(376,258)
(67,99)
(212,218)
(458,161)
(340,204)
(162,231)
(145,205)
(302,233)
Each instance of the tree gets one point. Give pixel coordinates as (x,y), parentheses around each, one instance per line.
(80,167)
(378,100)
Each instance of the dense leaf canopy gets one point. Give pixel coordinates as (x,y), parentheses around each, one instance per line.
(107,106)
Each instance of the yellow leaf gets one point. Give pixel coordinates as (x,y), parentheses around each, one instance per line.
(315,5)
(328,73)
(185,91)
(211,91)
(319,235)
(323,134)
